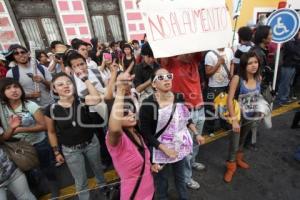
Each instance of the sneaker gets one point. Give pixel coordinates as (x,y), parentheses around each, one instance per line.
(253,147)
(194,185)
(198,166)
(283,103)
(294,97)
(211,135)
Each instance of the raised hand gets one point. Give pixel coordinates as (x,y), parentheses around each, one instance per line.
(37,78)
(124,78)
(14,121)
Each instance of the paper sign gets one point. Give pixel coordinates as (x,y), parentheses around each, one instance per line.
(186,26)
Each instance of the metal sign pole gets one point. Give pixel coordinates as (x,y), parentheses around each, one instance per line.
(276,65)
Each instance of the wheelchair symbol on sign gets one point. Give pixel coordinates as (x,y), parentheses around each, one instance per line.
(280,28)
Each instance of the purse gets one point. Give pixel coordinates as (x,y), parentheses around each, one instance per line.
(22,153)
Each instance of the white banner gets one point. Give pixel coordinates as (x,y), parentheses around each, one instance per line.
(186,26)
(295,4)
(236,10)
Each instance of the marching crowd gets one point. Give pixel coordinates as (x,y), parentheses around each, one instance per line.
(116,104)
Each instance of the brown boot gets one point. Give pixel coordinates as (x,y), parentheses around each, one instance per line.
(240,162)
(231,168)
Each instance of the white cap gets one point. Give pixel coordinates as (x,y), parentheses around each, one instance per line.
(2,57)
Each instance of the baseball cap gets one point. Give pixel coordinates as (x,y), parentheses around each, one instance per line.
(11,50)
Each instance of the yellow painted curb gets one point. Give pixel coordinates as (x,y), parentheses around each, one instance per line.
(70,191)
(278,111)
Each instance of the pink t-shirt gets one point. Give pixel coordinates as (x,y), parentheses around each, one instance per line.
(128,162)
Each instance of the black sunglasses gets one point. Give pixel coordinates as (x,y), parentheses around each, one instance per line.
(127,109)
(20,52)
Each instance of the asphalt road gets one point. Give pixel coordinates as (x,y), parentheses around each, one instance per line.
(274,174)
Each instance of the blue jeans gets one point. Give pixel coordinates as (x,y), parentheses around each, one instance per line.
(46,158)
(17,184)
(286,80)
(161,180)
(76,164)
(198,117)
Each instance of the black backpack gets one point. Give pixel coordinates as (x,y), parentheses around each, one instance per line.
(16,71)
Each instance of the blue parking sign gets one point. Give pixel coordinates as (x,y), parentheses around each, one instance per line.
(285,24)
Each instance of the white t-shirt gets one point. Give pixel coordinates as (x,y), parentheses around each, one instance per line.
(82,90)
(220,78)
(91,64)
(28,84)
(26,112)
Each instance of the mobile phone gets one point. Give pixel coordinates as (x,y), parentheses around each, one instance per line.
(107,56)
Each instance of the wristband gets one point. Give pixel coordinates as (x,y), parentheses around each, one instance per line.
(55,148)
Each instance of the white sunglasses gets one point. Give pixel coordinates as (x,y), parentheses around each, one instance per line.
(163,77)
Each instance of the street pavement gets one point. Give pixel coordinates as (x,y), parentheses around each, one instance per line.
(274,174)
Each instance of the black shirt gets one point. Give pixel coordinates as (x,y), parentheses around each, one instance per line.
(127,62)
(68,134)
(143,73)
(291,53)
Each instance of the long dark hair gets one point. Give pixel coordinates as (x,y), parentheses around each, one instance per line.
(4,83)
(243,65)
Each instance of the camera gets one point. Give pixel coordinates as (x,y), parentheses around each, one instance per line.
(59,56)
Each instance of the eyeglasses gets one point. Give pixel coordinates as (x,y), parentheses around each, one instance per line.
(20,52)
(163,77)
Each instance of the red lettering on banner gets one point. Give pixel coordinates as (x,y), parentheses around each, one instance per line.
(223,17)
(175,24)
(196,17)
(186,18)
(187,22)
(211,19)
(204,21)
(217,13)
(158,29)
(163,22)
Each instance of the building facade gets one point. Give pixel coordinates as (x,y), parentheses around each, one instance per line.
(43,21)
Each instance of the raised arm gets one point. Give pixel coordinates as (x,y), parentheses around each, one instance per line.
(109,95)
(93,97)
(211,70)
(116,115)
(140,88)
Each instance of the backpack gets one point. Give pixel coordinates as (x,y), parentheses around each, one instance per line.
(16,71)
(220,103)
(99,77)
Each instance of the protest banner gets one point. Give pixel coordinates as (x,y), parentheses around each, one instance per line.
(186,26)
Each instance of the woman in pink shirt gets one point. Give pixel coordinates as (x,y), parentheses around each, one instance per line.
(130,156)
